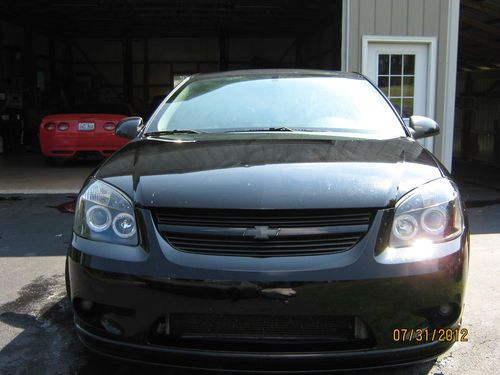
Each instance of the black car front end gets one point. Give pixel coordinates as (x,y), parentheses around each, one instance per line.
(173,299)
(271,221)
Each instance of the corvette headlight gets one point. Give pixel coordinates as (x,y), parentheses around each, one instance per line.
(103,213)
(425,217)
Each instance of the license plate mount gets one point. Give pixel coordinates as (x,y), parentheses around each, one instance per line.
(86,126)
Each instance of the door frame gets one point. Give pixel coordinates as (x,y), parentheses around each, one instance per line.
(431,43)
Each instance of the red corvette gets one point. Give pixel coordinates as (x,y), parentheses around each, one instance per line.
(89,131)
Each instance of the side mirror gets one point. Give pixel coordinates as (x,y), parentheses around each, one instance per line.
(422,127)
(128,127)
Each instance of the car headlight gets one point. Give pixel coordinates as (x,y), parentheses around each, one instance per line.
(428,215)
(103,213)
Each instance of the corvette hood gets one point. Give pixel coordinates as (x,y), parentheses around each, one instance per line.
(276,173)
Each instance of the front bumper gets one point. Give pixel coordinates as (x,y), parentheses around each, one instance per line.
(258,362)
(134,289)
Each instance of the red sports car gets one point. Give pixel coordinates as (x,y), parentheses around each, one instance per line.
(88,131)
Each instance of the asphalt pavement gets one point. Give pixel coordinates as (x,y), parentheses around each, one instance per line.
(36,331)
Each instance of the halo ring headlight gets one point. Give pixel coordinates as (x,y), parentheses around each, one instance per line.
(124,225)
(434,220)
(405,227)
(98,218)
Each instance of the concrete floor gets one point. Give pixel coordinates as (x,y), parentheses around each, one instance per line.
(27,173)
(36,333)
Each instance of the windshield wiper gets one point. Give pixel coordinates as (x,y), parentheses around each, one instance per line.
(272,129)
(175,131)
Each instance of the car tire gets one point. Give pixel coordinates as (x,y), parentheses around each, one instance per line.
(56,162)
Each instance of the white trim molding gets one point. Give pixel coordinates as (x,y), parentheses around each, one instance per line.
(450,83)
(432,61)
(345,36)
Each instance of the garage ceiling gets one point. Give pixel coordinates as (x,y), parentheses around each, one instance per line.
(147,18)
(479,45)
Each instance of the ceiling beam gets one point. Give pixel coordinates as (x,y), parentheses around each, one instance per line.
(465,34)
(483,7)
(473,22)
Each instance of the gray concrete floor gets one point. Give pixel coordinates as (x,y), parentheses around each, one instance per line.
(28,173)
(36,332)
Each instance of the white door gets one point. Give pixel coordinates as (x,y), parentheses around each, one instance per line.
(401,71)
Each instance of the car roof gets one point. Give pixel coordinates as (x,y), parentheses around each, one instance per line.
(277,73)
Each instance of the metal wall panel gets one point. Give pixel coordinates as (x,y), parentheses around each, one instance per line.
(412,18)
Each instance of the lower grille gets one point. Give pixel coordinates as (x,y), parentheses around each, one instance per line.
(262,233)
(257,327)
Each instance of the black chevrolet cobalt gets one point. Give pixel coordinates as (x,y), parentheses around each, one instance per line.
(271,220)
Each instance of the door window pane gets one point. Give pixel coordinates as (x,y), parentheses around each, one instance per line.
(396,64)
(409,65)
(408,88)
(383,84)
(396,102)
(407,109)
(396,79)
(395,86)
(383,64)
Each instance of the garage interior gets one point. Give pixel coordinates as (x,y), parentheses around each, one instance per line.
(56,54)
(477,115)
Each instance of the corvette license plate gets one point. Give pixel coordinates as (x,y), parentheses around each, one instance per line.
(86,126)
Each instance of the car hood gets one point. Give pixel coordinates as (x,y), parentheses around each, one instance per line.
(263,173)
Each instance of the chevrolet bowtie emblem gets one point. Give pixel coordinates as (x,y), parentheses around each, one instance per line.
(261,232)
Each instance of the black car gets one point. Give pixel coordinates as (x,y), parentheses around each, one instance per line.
(271,220)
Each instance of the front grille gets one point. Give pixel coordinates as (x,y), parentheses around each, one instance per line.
(257,327)
(272,218)
(262,233)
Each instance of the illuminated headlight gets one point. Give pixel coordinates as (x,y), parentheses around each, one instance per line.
(429,215)
(103,213)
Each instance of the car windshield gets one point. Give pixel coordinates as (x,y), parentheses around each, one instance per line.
(340,105)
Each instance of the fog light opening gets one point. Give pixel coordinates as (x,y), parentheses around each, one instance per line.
(86,305)
(446,314)
(445,310)
(361,331)
(110,326)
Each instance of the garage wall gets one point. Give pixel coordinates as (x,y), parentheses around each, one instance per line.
(30,58)
(322,49)
(155,61)
(61,70)
(413,18)
(99,63)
